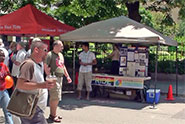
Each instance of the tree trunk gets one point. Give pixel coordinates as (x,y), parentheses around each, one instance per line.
(133,11)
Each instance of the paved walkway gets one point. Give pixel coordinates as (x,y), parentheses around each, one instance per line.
(113,111)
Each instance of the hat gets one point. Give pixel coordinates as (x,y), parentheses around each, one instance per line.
(22,44)
(36,39)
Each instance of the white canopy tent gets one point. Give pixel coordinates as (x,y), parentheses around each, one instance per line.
(118,30)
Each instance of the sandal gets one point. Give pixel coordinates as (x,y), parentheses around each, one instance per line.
(55,118)
(59,117)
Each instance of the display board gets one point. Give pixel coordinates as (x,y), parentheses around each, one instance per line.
(133,61)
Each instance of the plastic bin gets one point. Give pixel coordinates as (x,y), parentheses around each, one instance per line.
(150,96)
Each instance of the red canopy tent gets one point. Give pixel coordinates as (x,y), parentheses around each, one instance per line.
(29,21)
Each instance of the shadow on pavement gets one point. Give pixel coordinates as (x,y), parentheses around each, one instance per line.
(70,102)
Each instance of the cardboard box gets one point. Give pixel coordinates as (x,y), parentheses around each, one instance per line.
(130,95)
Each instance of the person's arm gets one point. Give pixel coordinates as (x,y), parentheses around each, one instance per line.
(94,62)
(28,85)
(67,75)
(47,69)
(47,62)
(17,63)
(111,55)
(82,63)
(65,70)
(26,74)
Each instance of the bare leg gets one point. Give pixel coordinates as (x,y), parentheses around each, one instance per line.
(53,107)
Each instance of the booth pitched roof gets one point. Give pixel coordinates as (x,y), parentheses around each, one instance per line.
(118,30)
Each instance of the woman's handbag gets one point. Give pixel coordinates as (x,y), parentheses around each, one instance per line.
(23,104)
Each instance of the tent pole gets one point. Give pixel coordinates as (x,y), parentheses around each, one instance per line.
(176,71)
(156,64)
(74,69)
(51,40)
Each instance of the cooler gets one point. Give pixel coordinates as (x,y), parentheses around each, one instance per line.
(150,96)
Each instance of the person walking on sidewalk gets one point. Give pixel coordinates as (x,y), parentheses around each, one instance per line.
(31,79)
(4,97)
(86,59)
(55,61)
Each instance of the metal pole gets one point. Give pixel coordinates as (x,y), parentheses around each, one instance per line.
(156,64)
(74,70)
(176,71)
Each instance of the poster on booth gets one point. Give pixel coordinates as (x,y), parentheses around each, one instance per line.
(128,83)
(103,80)
(133,61)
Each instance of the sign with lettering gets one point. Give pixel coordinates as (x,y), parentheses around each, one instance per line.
(10,27)
(103,80)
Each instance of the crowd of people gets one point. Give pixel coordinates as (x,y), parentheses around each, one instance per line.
(29,69)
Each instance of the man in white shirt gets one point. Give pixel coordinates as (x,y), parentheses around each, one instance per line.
(86,59)
(20,57)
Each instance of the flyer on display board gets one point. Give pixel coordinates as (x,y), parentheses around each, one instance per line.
(134,61)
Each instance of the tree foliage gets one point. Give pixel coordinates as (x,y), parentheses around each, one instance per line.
(88,11)
(78,13)
(181,31)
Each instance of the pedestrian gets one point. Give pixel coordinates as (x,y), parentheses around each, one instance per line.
(31,79)
(2,47)
(11,52)
(86,59)
(4,97)
(55,61)
(19,58)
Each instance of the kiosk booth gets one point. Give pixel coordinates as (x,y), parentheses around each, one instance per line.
(133,72)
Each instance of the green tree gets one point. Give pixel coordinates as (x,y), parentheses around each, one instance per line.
(88,11)
(181,31)
(8,6)
(85,12)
